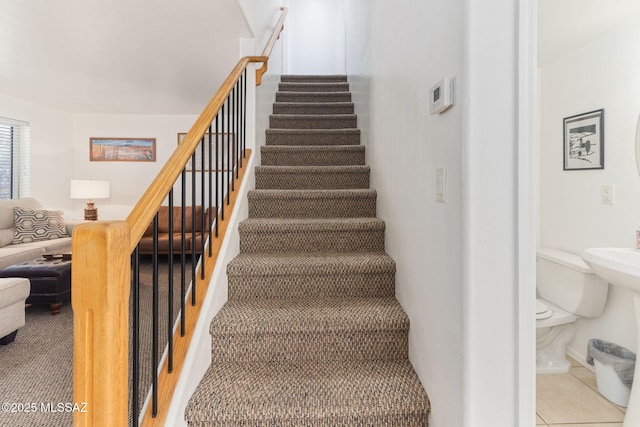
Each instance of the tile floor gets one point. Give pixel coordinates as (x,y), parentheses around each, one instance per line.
(572,400)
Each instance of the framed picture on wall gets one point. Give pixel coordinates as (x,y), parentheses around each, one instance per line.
(584,141)
(225,142)
(122,149)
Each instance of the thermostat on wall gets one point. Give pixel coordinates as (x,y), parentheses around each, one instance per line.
(441,96)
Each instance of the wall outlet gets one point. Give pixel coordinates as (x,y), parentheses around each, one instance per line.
(608,196)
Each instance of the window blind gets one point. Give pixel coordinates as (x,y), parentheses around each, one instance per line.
(14,159)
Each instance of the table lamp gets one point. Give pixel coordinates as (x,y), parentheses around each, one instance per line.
(89,189)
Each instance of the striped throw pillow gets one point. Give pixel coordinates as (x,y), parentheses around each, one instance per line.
(36,225)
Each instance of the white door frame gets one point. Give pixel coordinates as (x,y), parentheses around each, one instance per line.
(527,178)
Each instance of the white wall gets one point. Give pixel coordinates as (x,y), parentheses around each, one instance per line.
(265,97)
(261,15)
(492,233)
(314,37)
(51,149)
(458,262)
(128,179)
(60,152)
(602,74)
(395,53)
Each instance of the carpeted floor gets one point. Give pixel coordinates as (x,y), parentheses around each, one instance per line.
(36,369)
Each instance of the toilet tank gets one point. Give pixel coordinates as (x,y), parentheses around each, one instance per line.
(564,279)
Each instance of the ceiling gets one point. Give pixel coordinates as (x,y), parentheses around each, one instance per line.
(168,57)
(119,56)
(566,25)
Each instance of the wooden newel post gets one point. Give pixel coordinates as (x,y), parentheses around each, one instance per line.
(100,277)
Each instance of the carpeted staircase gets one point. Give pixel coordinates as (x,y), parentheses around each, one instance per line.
(312,334)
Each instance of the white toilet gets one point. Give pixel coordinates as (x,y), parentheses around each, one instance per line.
(567,289)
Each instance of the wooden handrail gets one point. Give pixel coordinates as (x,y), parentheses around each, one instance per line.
(276,33)
(270,44)
(143,213)
(146,208)
(101,277)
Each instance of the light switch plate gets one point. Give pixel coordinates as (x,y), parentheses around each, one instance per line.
(441,185)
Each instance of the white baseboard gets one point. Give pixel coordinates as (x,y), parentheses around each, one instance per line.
(581,358)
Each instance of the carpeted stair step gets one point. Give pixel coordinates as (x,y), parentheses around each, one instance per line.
(311,177)
(313,87)
(313,78)
(313,96)
(313,108)
(311,393)
(313,121)
(312,137)
(311,235)
(352,203)
(298,329)
(305,155)
(319,274)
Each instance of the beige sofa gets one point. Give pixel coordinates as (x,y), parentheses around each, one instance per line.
(13,293)
(12,252)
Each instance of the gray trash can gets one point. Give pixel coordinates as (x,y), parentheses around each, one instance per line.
(615,366)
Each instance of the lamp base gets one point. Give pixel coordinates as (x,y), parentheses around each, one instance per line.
(90,212)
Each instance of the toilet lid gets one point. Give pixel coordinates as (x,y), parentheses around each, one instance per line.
(543,311)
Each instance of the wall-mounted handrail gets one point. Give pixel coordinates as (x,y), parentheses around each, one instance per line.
(275,35)
(270,44)
(102,264)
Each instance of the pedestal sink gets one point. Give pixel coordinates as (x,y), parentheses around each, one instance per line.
(621,267)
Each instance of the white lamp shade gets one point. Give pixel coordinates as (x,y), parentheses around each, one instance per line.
(89,189)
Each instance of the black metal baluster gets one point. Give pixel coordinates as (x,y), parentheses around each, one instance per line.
(210,175)
(228,166)
(217,203)
(203,158)
(233,137)
(155,307)
(240,127)
(170,287)
(244,124)
(223,166)
(193,230)
(183,252)
(236,137)
(135,321)
(241,109)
